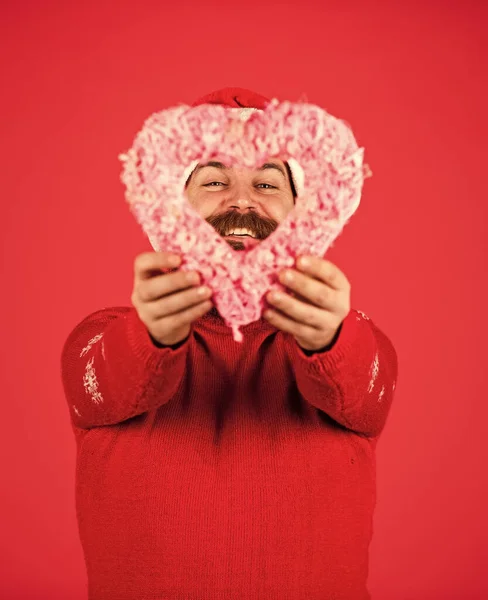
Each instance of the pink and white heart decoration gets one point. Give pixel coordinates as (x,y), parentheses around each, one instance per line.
(155,170)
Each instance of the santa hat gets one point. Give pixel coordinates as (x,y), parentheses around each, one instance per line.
(245,102)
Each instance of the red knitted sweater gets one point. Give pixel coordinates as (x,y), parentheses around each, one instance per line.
(225,471)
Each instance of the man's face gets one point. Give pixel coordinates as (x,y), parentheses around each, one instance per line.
(231,198)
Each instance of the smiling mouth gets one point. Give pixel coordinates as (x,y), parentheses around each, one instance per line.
(243,238)
(247,240)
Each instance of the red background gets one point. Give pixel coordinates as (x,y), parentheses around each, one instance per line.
(410,78)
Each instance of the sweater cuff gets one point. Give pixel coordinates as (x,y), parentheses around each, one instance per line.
(142,344)
(325,348)
(352,337)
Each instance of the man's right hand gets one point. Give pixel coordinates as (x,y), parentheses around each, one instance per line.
(167,303)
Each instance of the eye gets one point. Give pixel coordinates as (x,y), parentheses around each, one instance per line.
(212,183)
(270,187)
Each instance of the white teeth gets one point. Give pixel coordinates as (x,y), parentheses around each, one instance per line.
(240,232)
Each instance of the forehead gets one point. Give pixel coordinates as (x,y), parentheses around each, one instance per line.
(274,164)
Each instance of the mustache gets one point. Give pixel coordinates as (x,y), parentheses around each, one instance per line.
(260,226)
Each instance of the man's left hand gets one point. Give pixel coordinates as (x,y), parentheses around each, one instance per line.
(326,294)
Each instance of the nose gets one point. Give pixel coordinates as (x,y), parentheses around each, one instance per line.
(240,199)
(247,212)
(241,208)
(240,202)
(245,215)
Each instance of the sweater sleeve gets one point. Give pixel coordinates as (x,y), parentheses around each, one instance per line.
(111,369)
(354,381)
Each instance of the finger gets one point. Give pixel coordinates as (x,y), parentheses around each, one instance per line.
(166,284)
(325,271)
(178,303)
(284,323)
(311,290)
(149,264)
(299,312)
(185,317)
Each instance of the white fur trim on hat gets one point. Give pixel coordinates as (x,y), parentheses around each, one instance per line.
(297,175)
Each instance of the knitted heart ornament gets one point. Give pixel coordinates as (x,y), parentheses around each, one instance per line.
(155,169)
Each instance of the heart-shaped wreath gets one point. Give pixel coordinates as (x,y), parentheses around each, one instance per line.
(155,171)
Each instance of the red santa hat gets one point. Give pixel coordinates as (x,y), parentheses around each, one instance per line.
(246,102)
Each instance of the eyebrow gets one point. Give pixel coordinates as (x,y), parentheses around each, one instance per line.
(219,165)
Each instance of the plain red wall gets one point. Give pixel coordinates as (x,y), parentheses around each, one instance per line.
(78,83)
